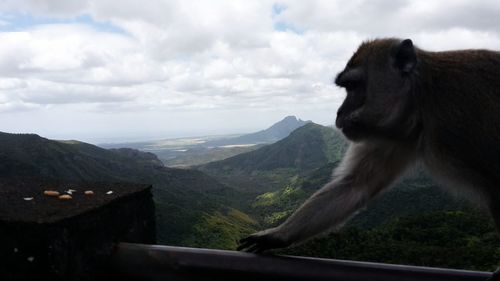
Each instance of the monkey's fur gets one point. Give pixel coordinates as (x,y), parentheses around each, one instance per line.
(405,106)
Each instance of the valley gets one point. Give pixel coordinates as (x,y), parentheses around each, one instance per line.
(185,152)
(182,197)
(214,204)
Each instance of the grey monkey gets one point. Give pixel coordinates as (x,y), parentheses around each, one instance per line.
(405,105)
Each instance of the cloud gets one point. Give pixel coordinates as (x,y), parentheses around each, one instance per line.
(46,7)
(206,59)
(388,17)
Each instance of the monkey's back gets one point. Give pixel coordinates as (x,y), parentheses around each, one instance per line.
(461,91)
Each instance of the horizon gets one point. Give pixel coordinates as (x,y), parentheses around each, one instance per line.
(160,136)
(98,72)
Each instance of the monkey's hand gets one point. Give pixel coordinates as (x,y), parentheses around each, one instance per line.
(495,276)
(263,241)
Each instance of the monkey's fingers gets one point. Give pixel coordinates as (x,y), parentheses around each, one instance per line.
(246,243)
(247,239)
(495,276)
(255,248)
(244,246)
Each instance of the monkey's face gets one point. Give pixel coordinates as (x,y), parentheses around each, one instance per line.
(378,82)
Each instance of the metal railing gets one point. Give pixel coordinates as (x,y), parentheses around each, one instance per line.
(154,262)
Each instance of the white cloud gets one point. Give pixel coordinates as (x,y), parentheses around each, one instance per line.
(45,7)
(209,65)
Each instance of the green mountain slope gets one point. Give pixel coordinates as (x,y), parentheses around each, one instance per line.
(306,148)
(416,194)
(406,224)
(413,223)
(280,176)
(453,239)
(270,167)
(183,197)
(33,156)
(219,229)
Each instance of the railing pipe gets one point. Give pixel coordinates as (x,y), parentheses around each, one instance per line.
(154,262)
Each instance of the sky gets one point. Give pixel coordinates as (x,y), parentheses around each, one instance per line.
(114,71)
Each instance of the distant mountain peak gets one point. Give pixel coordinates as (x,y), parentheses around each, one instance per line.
(282,128)
(294,118)
(277,131)
(274,133)
(289,123)
(291,117)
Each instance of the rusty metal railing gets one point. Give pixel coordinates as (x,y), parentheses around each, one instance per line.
(154,262)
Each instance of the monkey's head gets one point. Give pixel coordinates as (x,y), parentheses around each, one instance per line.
(379,83)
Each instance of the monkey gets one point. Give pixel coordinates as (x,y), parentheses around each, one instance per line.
(405,106)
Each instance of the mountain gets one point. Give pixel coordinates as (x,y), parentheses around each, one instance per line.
(29,155)
(415,194)
(448,239)
(414,222)
(306,148)
(272,134)
(280,176)
(268,168)
(277,178)
(183,197)
(185,152)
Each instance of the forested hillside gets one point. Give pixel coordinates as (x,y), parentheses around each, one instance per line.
(414,222)
(183,197)
(464,239)
(270,167)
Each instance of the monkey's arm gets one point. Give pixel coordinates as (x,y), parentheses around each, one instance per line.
(365,170)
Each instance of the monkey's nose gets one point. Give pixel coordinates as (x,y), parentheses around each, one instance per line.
(339,122)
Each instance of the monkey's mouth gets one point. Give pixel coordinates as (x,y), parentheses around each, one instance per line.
(352,132)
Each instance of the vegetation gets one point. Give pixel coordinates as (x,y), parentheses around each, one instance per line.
(306,149)
(220,230)
(182,197)
(413,223)
(271,167)
(452,239)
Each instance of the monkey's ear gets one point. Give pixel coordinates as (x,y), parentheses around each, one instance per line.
(405,56)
